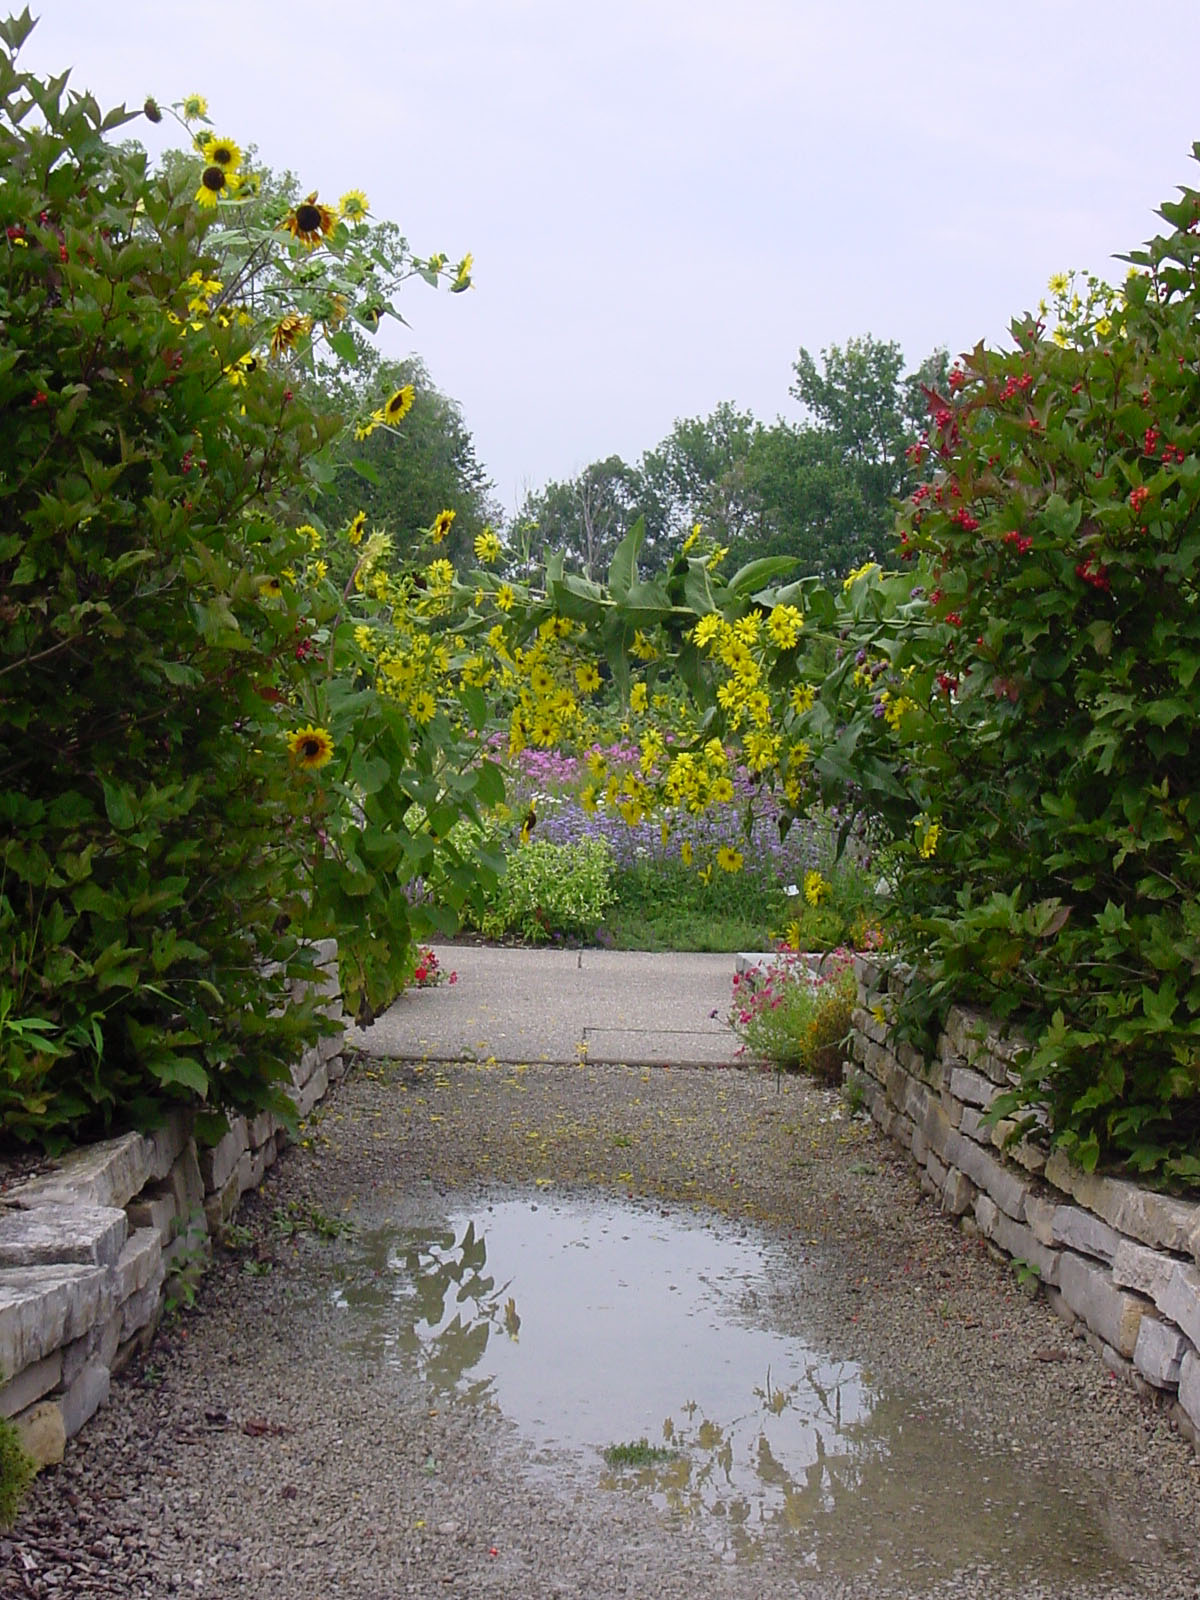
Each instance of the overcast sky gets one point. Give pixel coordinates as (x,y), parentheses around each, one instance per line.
(667,198)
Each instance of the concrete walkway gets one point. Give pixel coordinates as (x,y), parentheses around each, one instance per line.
(561,1005)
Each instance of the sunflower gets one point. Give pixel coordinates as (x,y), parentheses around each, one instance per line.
(357,528)
(354,206)
(221,153)
(194,108)
(441,525)
(287,330)
(309,222)
(310,748)
(397,407)
(213,184)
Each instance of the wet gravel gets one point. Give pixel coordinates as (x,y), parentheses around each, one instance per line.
(253,1453)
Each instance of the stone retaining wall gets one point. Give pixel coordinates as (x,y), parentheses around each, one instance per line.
(86,1250)
(1118,1261)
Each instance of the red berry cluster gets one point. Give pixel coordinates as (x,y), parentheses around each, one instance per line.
(963,519)
(1022,543)
(1096,575)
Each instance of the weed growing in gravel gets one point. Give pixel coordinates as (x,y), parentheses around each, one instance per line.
(294,1219)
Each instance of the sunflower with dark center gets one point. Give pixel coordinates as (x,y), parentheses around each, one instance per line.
(310,748)
(213,184)
(398,405)
(309,222)
(222,153)
(287,330)
(441,525)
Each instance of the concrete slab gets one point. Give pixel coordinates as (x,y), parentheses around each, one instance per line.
(552,1005)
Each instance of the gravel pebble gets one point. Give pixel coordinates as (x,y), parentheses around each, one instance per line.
(252,1454)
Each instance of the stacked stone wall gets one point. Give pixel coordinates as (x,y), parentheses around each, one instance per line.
(88,1249)
(1119,1262)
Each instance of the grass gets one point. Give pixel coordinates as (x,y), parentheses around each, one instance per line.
(638,1453)
(663,906)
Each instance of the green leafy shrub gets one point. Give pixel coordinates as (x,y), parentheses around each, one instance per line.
(797,1021)
(550,889)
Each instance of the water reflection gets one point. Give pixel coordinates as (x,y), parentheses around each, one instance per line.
(591,1325)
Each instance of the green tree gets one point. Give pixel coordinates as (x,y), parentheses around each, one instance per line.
(403,477)
(582,519)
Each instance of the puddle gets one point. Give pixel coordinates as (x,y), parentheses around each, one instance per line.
(593,1324)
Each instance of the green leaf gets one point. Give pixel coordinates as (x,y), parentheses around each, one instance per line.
(622,573)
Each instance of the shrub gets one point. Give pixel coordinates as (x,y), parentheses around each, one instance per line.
(550,889)
(797,1021)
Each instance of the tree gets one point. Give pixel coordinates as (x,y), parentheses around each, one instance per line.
(582,519)
(403,477)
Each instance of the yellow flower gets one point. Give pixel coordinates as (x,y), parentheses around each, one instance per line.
(397,406)
(642,648)
(729,860)
(1104,327)
(587,678)
(213,184)
(815,888)
(440,574)
(638,697)
(505,597)
(1058,283)
(194,108)
(706,629)
(287,330)
(783,625)
(354,206)
(864,571)
(357,528)
(686,853)
(310,748)
(423,706)
(691,539)
(221,153)
(309,222)
(441,525)
(488,546)
(928,834)
(715,560)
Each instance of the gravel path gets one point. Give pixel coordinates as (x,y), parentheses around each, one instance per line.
(256,1454)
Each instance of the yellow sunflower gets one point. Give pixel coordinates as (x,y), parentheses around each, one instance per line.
(310,748)
(354,206)
(357,528)
(397,407)
(221,153)
(441,525)
(213,184)
(309,222)
(194,108)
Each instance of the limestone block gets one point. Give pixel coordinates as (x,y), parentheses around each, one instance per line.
(958,1193)
(900,975)
(156,1208)
(140,1263)
(1136,1266)
(165,1143)
(1018,1242)
(1189,1387)
(107,1339)
(304,1069)
(106,1174)
(337,1067)
(983,1169)
(1111,1313)
(1159,1351)
(1154,1219)
(306,1098)
(971,1087)
(1080,1230)
(261,1129)
(76,1355)
(42,1308)
(916,1100)
(965,1030)
(186,1184)
(1181,1299)
(1039,1214)
(217,1163)
(869,974)
(31,1384)
(331,1045)
(141,1310)
(920,1147)
(85,1396)
(952,1106)
(970,1125)
(54,1233)
(43,1437)
(910,1058)
(936,1127)
(936,1171)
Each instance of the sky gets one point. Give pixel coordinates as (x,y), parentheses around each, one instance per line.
(666,199)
